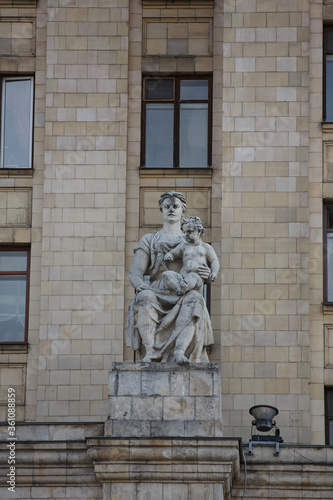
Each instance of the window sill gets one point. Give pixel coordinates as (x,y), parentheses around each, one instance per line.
(13,348)
(327,126)
(18,3)
(16,172)
(327,308)
(175,172)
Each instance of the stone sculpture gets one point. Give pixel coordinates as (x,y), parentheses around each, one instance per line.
(168,318)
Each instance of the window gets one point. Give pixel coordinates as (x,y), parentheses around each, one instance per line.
(176,129)
(328,73)
(329,415)
(16,122)
(14,291)
(328,253)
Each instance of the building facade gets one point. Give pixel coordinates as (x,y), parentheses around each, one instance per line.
(106,104)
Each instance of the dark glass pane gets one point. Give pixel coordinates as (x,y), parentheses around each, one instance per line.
(329,217)
(329,89)
(12,308)
(159,88)
(193,140)
(17,123)
(193,90)
(330,267)
(159,135)
(13,261)
(329,395)
(331,432)
(328,40)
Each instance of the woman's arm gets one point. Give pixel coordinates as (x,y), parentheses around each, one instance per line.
(137,270)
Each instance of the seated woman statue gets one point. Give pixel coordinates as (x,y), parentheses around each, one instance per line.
(162,324)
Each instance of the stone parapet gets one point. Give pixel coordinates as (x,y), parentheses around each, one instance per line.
(164,399)
(297,472)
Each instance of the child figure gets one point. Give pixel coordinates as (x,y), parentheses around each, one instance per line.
(195,253)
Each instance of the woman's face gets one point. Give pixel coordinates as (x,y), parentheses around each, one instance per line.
(172,210)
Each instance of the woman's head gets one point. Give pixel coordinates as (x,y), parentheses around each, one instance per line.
(172,194)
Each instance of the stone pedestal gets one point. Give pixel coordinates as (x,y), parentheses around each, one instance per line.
(163,437)
(164,399)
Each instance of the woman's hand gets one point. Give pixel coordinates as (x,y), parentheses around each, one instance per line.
(204,273)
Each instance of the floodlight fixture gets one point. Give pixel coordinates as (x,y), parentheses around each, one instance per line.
(263,415)
(264,422)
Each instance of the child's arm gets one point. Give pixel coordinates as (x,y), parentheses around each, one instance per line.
(175,252)
(213,261)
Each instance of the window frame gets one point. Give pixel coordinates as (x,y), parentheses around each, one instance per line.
(3,79)
(328,418)
(176,119)
(19,273)
(327,28)
(327,204)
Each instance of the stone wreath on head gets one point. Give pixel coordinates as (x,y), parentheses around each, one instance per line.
(173,194)
(195,222)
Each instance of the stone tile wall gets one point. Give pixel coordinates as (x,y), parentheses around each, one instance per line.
(82,312)
(263,197)
(23,28)
(265,337)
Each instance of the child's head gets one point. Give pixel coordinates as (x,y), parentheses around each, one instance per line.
(193,228)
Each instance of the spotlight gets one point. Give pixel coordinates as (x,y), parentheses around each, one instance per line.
(263,421)
(263,415)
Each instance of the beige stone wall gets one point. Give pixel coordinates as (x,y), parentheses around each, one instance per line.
(87,202)
(82,312)
(23,50)
(265,338)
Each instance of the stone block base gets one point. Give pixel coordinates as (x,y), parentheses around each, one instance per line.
(164,399)
(163,437)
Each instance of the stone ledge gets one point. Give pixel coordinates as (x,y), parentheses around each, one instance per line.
(18,3)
